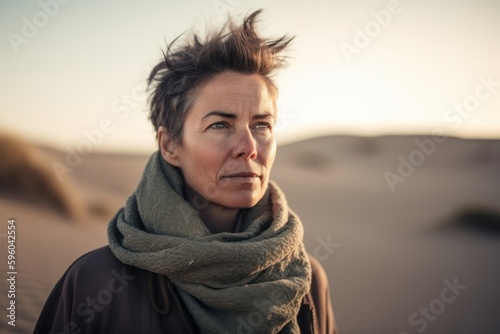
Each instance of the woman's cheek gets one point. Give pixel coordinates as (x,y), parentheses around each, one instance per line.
(268,152)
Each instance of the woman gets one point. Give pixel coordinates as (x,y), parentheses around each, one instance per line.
(206,243)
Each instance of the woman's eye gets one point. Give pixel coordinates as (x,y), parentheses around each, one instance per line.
(219,125)
(263,126)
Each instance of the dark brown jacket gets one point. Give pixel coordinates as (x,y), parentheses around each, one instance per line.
(100,294)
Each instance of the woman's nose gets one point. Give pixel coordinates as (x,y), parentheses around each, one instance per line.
(245,145)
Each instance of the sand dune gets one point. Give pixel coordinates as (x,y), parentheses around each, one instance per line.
(389,257)
(25,173)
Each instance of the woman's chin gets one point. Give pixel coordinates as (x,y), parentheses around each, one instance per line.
(241,200)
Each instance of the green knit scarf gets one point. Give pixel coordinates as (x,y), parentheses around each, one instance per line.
(228,281)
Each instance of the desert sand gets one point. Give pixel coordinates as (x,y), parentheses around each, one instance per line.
(389,253)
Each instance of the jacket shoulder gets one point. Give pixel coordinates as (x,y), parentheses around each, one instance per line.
(319,299)
(97,258)
(319,277)
(87,295)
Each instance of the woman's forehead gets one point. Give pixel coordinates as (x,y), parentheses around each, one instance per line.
(237,83)
(233,92)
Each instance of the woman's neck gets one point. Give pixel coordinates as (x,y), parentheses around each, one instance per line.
(217,218)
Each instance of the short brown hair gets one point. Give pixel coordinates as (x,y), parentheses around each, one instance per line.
(186,67)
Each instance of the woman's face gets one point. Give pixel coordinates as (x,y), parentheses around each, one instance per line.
(228,145)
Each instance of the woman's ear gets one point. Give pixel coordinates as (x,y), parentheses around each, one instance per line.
(168,148)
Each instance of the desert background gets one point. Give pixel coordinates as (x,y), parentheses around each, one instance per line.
(388,132)
(386,253)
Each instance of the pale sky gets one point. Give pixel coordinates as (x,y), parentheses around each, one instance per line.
(357,67)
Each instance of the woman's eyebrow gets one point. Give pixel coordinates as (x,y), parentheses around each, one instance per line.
(233,116)
(220,114)
(263,116)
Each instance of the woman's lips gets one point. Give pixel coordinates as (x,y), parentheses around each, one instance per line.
(243,177)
